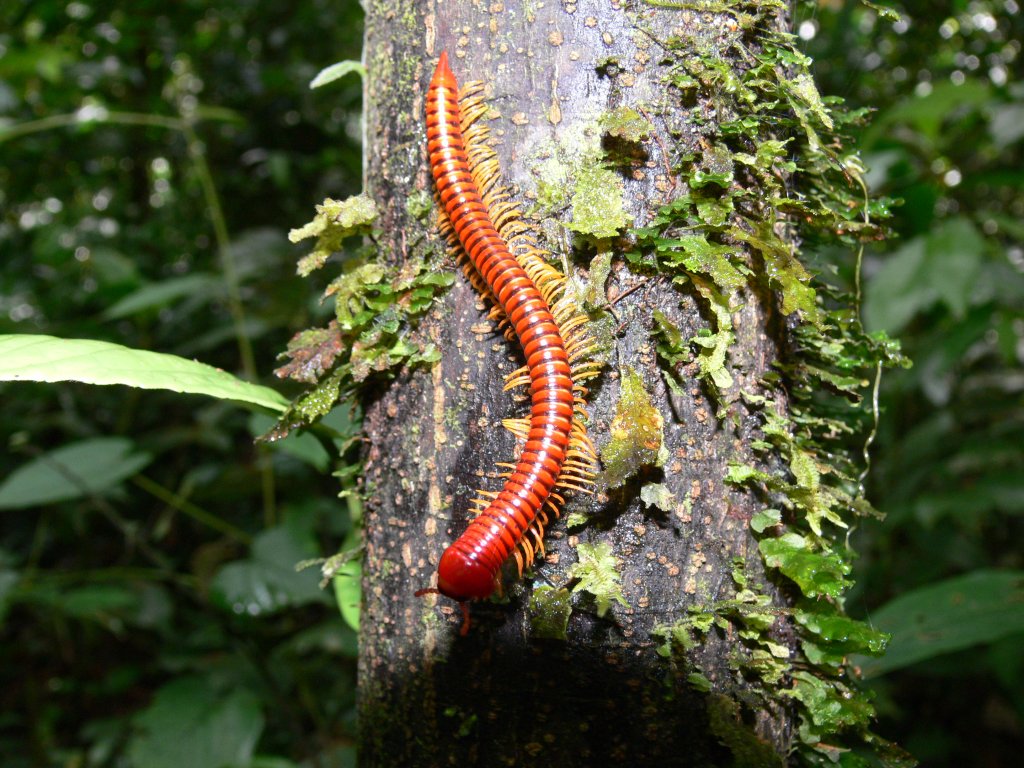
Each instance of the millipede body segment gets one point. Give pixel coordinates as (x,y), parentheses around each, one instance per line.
(510,521)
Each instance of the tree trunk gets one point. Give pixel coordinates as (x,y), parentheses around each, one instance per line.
(509,693)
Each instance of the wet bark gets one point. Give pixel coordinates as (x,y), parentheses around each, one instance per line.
(500,696)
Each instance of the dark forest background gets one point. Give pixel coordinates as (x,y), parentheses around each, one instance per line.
(153,157)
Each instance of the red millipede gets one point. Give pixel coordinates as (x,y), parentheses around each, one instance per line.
(469,568)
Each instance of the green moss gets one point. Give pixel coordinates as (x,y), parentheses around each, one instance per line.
(594,294)
(376,307)
(685,634)
(747,748)
(335,221)
(673,350)
(637,432)
(598,573)
(713,346)
(764,519)
(694,254)
(553,188)
(730,230)
(699,682)
(658,495)
(420,205)
(572,174)
(831,636)
(556,164)
(784,271)
(467,722)
(829,706)
(549,611)
(597,205)
(627,124)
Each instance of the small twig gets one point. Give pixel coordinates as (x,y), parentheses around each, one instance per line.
(611,311)
(624,294)
(610,306)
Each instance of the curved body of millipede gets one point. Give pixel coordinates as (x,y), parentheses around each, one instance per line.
(510,521)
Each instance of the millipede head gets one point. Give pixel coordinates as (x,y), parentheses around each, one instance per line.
(463,578)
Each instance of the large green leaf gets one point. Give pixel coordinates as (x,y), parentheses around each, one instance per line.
(348,591)
(268,580)
(928,113)
(979,607)
(943,265)
(156,295)
(72,471)
(8,581)
(190,723)
(45,358)
(348,582)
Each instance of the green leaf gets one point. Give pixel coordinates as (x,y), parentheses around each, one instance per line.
(740,474)
(766,518)
(931,112)
(956,252)
(784,271)
(658,495)
(829,707)
(92,599)
(943,265)
(979,607)
(890,14)
(841,633)
(697,254)
(192,724)
(896,292)
(348,584)
(802,87)
(268,581)
(160,294)
(715,346)
(1006,124)
(25,357)
(73,471)
(809,491)
(8,582)
(336,71)
(672,345)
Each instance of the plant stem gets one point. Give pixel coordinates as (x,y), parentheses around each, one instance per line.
(186,507)
(196,151)
(79,118)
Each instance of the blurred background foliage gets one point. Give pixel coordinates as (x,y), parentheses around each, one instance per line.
(945,571)
(152,159)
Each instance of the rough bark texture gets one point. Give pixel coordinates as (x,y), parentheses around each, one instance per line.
(499,696)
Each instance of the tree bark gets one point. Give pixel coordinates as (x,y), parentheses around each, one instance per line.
(500,696)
